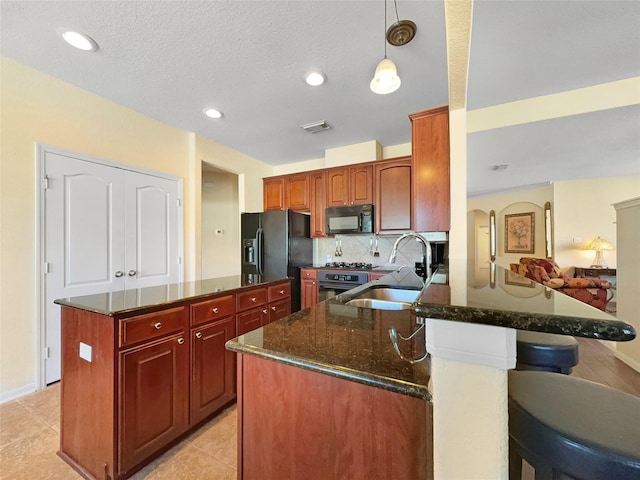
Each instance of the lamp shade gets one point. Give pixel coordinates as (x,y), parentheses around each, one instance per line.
(386,79)
(599,244)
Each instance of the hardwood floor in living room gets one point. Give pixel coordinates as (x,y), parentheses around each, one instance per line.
(29,431)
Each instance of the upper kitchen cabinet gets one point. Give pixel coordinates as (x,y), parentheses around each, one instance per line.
(430,152)
(273,191)
(296,188)
(392,195)
(318,200)
(350,185)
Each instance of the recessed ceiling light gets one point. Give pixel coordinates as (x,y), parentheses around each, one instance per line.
(315,78)
(78,40)
(212,113)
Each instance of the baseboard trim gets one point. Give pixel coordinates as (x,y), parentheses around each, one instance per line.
(628,360)
(17,392)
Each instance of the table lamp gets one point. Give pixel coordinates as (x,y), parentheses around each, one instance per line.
(599,244)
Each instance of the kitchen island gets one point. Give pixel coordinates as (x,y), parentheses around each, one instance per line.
(324,393)
(141,368)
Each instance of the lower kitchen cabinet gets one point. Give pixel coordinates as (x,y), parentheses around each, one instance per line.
(308,287)
(136,380)
(279,309)
(213,368)
(154,398)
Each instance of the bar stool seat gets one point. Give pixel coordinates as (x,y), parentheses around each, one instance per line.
(546,352)
(565,426)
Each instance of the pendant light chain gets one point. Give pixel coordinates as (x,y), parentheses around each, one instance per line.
(395,3)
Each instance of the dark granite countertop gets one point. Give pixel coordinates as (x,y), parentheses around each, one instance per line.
(125,302)
(354,343)
(349,342)
(496,296)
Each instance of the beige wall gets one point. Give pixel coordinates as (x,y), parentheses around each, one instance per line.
(531,200)
(583,210)
(220,224)
(36,108)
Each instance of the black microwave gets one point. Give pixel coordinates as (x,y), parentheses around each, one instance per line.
(349,220)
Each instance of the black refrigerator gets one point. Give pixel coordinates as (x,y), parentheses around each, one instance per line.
(276,244)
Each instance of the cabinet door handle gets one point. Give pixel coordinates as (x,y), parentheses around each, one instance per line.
(313,283)
(273,308)
(215,310)
(180,341)
(132,273)
(118,274)
(157,325)
(281,292)
(253,299)
(199,335)
(265,311)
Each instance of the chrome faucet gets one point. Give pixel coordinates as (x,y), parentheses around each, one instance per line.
(426,250)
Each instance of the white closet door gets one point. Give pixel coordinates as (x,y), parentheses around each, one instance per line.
(84,238)
(105,229)
(151,226)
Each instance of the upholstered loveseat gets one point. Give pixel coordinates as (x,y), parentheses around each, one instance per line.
(593,291)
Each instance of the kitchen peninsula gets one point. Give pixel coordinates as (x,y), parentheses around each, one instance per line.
(324,393)
(141,368)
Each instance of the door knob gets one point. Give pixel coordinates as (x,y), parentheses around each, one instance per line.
(118,274)
(132,273)
(180,341)
(199,335)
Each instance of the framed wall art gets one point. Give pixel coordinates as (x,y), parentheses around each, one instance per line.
(519,233)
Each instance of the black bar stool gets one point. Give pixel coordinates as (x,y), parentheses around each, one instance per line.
(565,427)
(546,352)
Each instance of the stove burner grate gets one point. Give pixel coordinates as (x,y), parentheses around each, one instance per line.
(352,265)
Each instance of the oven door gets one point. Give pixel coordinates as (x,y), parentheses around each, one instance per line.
(327,290)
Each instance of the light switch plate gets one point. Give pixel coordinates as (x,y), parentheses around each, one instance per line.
(85,351)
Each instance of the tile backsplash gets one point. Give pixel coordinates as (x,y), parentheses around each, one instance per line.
(361,248)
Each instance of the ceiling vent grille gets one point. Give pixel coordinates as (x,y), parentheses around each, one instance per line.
(316,127)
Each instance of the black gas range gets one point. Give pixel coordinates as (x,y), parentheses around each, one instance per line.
(339,277)
(348,266)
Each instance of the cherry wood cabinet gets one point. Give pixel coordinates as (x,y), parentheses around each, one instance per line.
(135,381)
(318,203)
(153,398)
(297,191)
(370,432)
(351,185)
(273,193)
(259,306)
(213,368)
(392,195)
(376,275)
(309,287)
(430,154)
(252,319)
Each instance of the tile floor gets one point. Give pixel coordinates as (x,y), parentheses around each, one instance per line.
(29,440)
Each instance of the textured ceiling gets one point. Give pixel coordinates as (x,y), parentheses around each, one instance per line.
(171,59)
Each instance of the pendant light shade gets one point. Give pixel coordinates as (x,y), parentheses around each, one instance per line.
(386,79)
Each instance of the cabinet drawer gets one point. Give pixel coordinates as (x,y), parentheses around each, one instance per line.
(282,290)
(151,325)
(252,319)
(215,309)
(251,299)
(307,273)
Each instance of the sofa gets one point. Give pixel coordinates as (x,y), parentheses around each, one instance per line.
(592,291)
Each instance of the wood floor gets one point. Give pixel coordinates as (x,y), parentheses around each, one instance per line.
(29,429)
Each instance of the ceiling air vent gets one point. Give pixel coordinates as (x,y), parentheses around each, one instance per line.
(316,127)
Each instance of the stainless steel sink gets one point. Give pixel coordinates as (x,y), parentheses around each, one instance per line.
(390,294)
(385,298)
(378,304)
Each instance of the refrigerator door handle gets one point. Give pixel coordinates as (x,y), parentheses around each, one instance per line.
(260,247)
